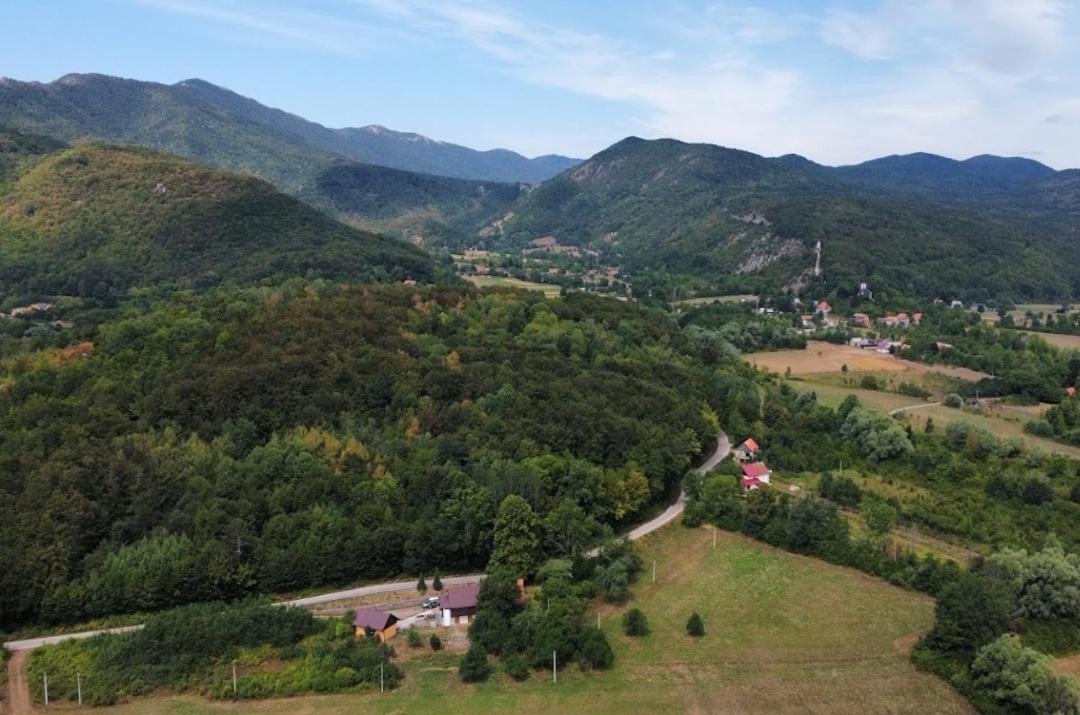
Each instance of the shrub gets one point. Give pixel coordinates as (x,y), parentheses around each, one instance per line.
(870,382)
(970,612)
(595,650)
(437,582)
(1022,678)
(515,666)
(412,636)
(421,585)
(695,626)
(953,400)
(912,390)
(474,666)
(635,623)
(435,642)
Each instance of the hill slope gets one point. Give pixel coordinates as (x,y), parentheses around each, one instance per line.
(202,121)
(742,221)
(95,219)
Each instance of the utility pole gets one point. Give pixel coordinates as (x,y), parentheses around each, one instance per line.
(45,676)
(654,570)
(382,683)
(554,666)
(234,678)
(78,686)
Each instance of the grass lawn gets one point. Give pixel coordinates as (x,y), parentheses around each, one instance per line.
(551,291)
(783,634)
(833,395)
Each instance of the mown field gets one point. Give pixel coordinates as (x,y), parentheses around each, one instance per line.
(551,291)
(822,357)
(783,634)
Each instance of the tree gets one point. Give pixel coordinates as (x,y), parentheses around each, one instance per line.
(970,612)
(435,642)
(695,626)
(880,516)
(474,666)
(437,583)
(595,651)
(515,541)
(929,428)
(635,623)
(568,529)
(412,637)
(421,585)
(1023,678)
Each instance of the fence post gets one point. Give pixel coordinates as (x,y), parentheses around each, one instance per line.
(554,666)
(45,676)
(234,678)
(78,686)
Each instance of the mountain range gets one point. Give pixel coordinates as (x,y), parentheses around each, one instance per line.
(664,210)
(97,220)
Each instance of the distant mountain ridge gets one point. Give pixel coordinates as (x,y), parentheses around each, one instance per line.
(78,106)
(920,224)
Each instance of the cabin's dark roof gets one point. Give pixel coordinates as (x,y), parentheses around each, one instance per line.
(375,620)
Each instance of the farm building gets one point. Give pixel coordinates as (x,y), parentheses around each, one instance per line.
(459,604)
(754,475)
(746,451)
(382,623)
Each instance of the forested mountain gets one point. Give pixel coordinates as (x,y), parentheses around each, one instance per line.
(278,438)
(211,124)
(745,222)
(96,220)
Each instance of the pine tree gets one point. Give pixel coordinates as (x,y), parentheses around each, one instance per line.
(635,623)
(421,585)
(474,666)
(437,583)
(695,626)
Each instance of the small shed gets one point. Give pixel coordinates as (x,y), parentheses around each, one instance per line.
(459,604)
(382,623)
(746,451)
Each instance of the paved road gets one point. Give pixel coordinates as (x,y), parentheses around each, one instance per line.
(723,448)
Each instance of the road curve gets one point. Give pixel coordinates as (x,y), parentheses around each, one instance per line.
(723,448)
(898,410)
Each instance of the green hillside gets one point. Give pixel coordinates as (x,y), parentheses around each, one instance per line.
(97,220)
(743,222)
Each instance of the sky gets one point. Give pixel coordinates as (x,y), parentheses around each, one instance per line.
(839,82)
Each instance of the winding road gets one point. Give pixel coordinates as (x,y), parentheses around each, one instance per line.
(18,694)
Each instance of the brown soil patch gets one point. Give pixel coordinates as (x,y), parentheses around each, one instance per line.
(18,690)
(821,357)
(1068,664)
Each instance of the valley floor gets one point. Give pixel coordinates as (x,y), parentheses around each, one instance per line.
(784,633)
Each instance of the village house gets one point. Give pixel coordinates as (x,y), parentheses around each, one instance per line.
(889,320)
(942,347)
(916,318)
(862,343)
(824,308)
(861,319)
(807,321)
(747,451)
(1070,391)
(381,623)
(903,320)
(459,604)
(956,304)
(754,475)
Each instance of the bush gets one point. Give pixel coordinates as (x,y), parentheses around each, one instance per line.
(412,637)
(595,650)
(635,623)
(970,612)
(515,666)
(435,642)
(913,390)
(474,666)
(1022,678)
(870,382)
(695,626)
(953,400)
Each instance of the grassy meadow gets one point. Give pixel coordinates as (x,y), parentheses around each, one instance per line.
(549,290)
(784,633)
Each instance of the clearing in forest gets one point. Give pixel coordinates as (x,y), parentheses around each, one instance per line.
(820,357)
(784,633)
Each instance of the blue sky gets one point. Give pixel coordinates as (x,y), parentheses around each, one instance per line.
(838,82)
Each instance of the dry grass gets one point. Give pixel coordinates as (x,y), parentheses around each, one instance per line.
(1065,342)
(998,426)
(551,291)
(822,357)
(783,634)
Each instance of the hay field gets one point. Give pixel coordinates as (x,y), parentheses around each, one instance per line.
(819,357)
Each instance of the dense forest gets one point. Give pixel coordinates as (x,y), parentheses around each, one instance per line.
(272,439)
(95,221)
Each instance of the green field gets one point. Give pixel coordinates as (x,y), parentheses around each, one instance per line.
(783,634)
(549,290)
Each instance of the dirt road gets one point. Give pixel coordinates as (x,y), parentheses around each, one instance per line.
(18,690)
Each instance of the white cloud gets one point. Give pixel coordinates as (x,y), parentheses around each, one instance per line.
(864,36)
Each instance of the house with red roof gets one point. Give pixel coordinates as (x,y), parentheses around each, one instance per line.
(382,623)
(747,451)
(824,308)
(754,475)
(459,604)
(1070,391)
